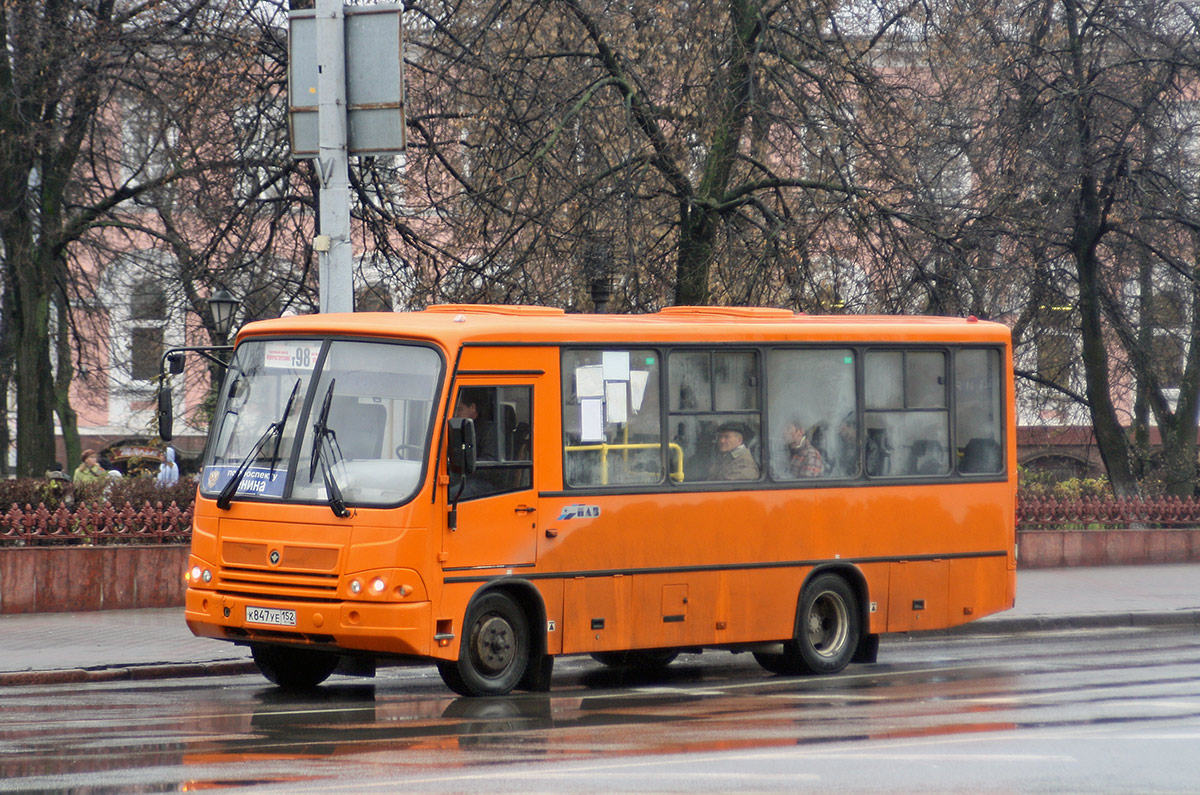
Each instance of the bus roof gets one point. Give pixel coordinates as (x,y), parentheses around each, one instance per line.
(454,324)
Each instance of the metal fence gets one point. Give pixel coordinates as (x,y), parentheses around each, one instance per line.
(159,524)
(1099,513)
(95,524)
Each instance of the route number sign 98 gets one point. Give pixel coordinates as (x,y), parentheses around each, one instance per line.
(292,355)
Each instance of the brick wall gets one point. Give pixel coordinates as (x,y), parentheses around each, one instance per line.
(75,578)
(1046,549)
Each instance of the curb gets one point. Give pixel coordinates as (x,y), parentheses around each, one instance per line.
(126,673)
(1003,625)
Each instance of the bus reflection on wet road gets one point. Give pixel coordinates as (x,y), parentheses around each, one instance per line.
(1111,711)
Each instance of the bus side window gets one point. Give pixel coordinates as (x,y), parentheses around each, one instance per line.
(612,419)
(811,404)
(978,411)
(908,422)
(716,392)
(502,418)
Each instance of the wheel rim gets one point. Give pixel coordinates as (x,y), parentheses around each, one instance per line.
(828,624)
(493,645)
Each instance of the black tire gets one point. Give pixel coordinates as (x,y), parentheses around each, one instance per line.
(293,668)
(827,632)
(828,624)
(640,659)
(494,653)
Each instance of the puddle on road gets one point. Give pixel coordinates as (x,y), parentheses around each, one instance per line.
(199,785)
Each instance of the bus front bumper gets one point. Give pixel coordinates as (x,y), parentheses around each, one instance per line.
(403,629)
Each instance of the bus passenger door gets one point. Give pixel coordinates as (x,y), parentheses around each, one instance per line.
(497,520)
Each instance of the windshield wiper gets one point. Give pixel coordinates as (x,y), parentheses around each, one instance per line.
(325,445)
(274,429)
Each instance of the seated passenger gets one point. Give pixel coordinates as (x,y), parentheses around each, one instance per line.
(733,461)
(804,459)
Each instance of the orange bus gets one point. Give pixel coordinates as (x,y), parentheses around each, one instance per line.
(489,487)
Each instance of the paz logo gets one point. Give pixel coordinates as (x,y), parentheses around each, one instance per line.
(579,512)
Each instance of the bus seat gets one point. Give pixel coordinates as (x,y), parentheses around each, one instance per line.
(508,427)
(522,451)
(359,426)
(926,457)
(981,455)
(879,452)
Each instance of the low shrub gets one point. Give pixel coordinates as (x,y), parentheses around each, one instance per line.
(1043,485)
(116,491)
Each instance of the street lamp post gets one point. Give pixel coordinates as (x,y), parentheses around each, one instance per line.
(601,289)
(222,305)
(597,268)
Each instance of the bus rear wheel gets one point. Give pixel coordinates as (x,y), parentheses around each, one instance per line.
(494,653)
(293,668)
(828,625)
(828,629)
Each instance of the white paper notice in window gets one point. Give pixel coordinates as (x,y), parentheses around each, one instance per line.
(637,386)
(616,365)
(591,420)
(589,381)
(615,403)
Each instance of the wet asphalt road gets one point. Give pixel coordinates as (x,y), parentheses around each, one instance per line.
(1100,711)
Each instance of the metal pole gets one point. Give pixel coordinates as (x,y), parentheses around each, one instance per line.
(335,263)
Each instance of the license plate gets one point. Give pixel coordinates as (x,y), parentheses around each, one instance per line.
(270,615)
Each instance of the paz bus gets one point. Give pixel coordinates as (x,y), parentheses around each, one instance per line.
(489,487)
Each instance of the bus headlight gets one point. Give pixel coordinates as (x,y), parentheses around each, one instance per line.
(382,585)
(198,574)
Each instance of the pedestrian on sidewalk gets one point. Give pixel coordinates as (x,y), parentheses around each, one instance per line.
(168,470)
(89,469)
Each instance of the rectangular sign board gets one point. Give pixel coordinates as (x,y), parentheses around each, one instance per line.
(374,45)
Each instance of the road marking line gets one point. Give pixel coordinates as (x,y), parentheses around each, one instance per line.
(554,771)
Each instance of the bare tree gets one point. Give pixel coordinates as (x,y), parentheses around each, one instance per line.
(722,153)
(122,124)
(1094,137)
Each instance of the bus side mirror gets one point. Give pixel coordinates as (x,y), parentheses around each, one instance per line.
(175,363)
(166,416)
(460,445)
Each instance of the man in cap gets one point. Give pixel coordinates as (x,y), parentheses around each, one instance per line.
(733,461)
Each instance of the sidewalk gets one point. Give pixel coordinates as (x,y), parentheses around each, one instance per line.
(45,648)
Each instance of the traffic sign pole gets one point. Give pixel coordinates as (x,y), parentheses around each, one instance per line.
(335,254)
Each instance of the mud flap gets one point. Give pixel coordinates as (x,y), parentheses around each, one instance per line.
(867,651)
(537,675)
(354,665)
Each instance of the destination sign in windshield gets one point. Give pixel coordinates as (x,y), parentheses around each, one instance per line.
(262,481)
(291,355)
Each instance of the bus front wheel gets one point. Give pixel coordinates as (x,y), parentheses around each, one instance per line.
(293,668)
(494,653)
(828,629)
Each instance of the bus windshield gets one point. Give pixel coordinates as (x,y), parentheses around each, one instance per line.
(343,422)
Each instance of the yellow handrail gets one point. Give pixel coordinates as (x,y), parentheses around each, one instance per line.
(676,475)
